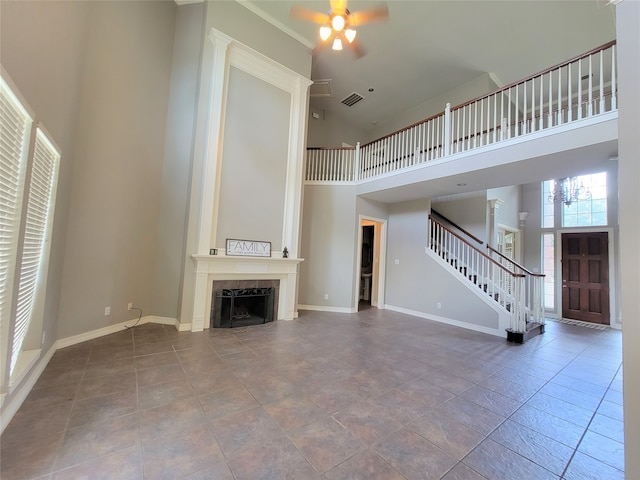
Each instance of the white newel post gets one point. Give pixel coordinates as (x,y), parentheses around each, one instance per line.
(446,141)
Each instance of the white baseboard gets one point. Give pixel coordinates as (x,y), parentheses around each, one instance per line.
(321,308)
(100,332)
(181,327)
(21,391)
(449,321)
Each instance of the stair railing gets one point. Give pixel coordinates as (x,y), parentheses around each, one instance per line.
(533,286)
(482,271)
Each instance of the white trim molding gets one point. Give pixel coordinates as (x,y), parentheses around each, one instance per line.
(227,53)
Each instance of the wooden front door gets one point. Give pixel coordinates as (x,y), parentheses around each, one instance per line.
(585,277)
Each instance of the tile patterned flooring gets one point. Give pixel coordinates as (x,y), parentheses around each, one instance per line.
(374,395)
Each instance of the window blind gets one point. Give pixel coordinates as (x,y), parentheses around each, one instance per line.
(38,218)
(15,127)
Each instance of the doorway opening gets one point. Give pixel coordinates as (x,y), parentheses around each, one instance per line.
(370,272)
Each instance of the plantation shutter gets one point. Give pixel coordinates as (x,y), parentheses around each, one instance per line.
(15,127)
(38,218)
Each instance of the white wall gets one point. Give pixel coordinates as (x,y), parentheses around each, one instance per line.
(628,36)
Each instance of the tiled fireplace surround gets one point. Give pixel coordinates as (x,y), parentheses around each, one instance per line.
(216,268)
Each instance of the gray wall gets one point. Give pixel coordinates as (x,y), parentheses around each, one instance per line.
(468,211)
(254,161)
(331,130)
(419,283)
(475,88)
(178,154)
(47,68)
(236,21)
(329,233)
(110,246)
(507,214)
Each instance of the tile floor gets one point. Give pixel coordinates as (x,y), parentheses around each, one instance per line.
(374,395)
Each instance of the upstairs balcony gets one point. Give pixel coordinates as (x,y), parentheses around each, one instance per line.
(577,98)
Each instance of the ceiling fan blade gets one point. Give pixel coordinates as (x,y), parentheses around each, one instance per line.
(377,14)
(338,5)
(301,13)
(357,50)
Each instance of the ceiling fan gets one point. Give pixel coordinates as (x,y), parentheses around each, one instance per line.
(338,26)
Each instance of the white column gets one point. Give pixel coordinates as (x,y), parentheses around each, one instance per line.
(494,205)
(628,47)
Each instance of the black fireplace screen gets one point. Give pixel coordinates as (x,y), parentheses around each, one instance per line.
(241,307)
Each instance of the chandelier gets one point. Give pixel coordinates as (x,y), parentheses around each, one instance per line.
(568,190)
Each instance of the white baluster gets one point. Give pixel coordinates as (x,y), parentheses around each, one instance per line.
(559,96)
(495,115)
(550,112)
(533,105)
(570,94)
(517,125)
(508,133)
(601,75)
(590,104)
(614,84)
(541,124)
(579,102)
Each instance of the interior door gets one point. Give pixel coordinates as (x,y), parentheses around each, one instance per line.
(585,276)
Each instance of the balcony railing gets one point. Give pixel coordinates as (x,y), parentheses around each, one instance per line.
(580,88)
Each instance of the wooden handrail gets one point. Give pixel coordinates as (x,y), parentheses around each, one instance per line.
(542,72)
(331,148)
(491,260)
(506,87)
(458,227)
(525,270)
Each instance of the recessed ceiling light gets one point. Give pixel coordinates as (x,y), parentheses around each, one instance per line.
(374,122)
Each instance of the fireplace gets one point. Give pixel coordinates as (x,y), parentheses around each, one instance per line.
(241,303)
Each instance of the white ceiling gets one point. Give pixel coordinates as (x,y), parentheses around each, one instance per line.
(426,48)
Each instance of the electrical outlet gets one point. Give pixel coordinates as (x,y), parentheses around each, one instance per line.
(326,296)
(107,311)
(129,305)
(397,261)
(438,305)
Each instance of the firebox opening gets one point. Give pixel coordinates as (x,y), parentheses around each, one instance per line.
(241,307)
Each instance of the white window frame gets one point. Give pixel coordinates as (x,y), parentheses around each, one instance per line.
(26,247)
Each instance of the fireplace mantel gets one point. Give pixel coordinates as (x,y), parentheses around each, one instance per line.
(221,267)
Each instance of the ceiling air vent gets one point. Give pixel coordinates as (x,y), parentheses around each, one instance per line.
(352,99)
(320,88)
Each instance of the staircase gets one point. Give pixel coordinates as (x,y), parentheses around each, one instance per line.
(507,284)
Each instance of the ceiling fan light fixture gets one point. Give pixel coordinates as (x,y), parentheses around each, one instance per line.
(337,44)
(350,35)
(338,22)
(325,33)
